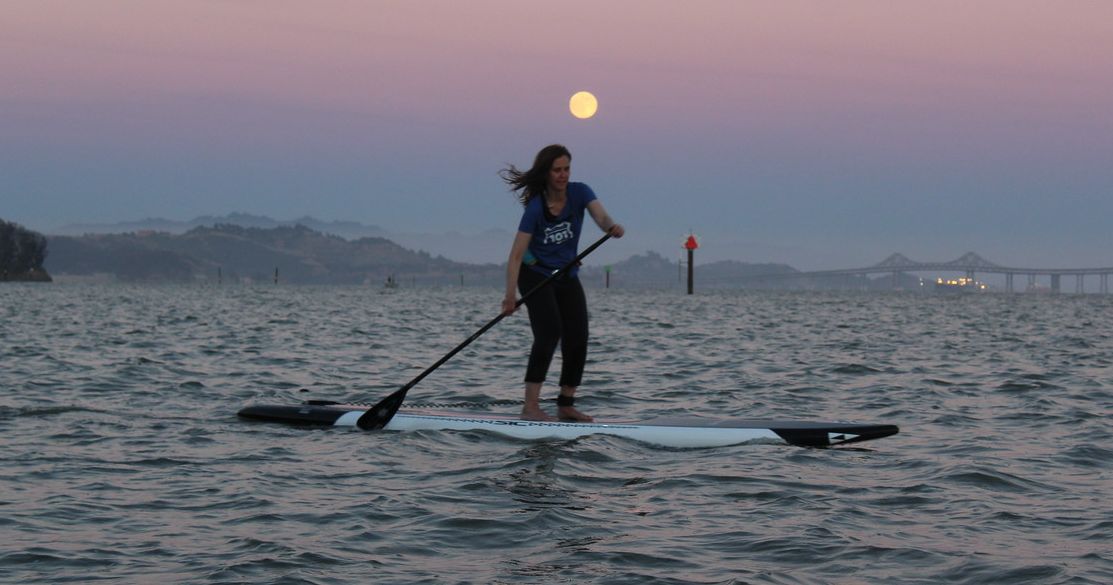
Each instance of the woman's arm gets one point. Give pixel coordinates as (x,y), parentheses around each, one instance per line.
(513,264)
(603,220)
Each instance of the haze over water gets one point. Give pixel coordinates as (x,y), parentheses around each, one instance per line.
(123,460)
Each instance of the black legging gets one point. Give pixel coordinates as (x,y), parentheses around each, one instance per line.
(557,313)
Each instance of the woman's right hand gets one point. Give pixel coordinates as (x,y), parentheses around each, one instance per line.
(509,305)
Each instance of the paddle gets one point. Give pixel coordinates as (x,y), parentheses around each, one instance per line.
(379,415)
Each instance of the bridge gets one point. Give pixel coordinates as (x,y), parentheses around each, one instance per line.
(969,263)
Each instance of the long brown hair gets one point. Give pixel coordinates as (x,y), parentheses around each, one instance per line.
(533,182)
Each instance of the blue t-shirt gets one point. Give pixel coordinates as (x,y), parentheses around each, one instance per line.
(555,239)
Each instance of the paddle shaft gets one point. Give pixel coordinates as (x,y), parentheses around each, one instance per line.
(379,415)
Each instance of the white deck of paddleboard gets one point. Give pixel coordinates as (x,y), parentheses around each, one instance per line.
(666,435)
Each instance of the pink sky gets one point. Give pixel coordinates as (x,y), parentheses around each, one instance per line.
(769,111)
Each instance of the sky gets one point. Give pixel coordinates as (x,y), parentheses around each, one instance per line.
(818,134)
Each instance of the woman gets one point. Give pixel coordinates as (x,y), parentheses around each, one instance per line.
(547,239)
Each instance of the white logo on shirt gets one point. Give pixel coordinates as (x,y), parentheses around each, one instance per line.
(558,233)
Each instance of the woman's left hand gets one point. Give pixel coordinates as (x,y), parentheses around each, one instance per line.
(616,230)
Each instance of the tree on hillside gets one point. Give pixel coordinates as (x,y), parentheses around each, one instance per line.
(21,250)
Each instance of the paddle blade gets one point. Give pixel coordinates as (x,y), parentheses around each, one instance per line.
(379,415)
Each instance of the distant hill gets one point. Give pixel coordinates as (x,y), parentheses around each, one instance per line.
(303,255)
(235,253)
(652,270)
(486,246)
(344,229)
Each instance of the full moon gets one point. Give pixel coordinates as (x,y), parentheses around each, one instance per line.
(583,105)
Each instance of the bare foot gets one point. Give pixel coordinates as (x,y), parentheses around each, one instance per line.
(535,413)
(570,413)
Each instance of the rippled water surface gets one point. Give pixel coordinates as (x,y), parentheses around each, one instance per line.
(123,460)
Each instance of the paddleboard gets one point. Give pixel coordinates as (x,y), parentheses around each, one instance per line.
(661,431)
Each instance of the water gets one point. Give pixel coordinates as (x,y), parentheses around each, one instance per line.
(123,460)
